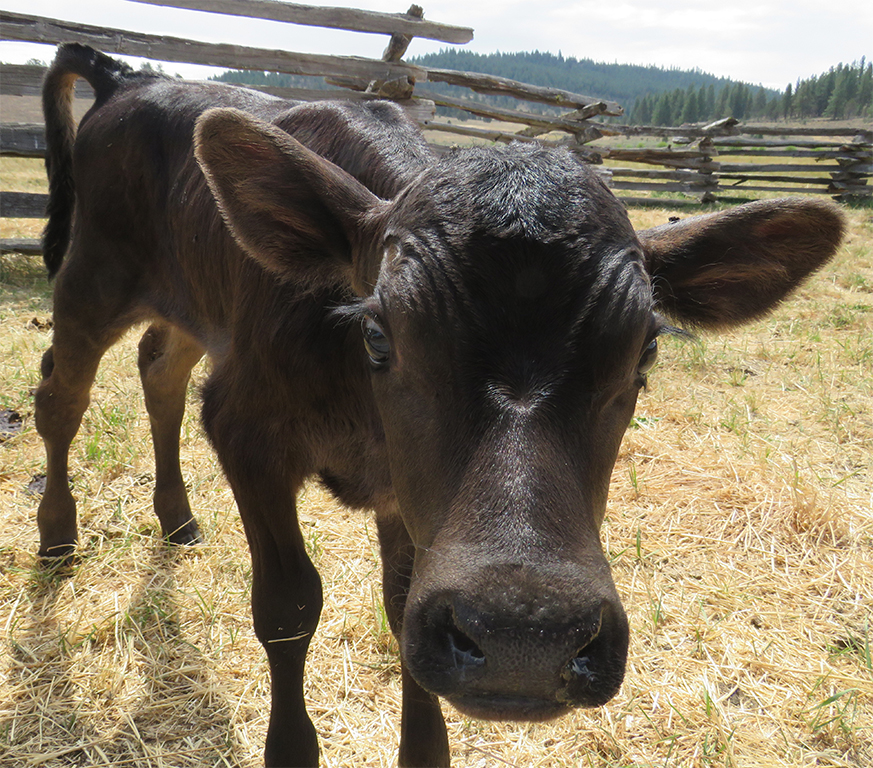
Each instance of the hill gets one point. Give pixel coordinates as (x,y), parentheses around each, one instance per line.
(624,83)
(649,94)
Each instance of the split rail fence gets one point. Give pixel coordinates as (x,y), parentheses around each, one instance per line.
(700,162)
(724,158)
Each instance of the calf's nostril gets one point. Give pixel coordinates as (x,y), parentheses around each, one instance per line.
(465,652)
(579,669)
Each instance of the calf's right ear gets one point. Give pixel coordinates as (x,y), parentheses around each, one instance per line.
(291,210)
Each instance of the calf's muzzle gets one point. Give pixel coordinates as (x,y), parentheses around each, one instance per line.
(518,642)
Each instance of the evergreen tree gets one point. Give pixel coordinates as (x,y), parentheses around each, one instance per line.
(722,106)
(759,106)
(662,113)
(865,90)
(642,113)
(691,110)
(710,103)
(738,101)
(806,97)
(677,106)
(853,84)
(839,98)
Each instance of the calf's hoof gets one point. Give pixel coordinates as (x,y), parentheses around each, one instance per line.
(187,534)
(57,556)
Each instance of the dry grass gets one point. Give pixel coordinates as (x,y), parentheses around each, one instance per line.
(21,174)
(739,529)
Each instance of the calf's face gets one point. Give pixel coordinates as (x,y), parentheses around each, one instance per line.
(509,319)
(508,332)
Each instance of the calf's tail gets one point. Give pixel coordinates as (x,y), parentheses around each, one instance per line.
(105,75)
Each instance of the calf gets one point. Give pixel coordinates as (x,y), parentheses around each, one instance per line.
(455,342)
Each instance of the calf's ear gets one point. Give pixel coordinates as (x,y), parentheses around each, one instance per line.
(296,213)
(723,269)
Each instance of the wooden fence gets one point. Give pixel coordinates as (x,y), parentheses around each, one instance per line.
(693,160)
(725,158)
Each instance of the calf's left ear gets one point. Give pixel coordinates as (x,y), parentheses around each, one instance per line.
(723,269)
(291,210)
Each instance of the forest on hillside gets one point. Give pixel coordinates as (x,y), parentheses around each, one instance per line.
(844,91)
(623,83)
(650,95)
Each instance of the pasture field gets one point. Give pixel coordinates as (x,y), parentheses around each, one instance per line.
(739,529)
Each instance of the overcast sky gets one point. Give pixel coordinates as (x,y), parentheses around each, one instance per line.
(772,42)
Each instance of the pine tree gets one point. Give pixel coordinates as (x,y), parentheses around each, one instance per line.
(642,113)
(759,106)
(691,110)
(662,113)
(806,97)
(722,107)
(853,83)
(839,98)
(677,107)
(710,103)
(865,90)
(787,101)
(738,101)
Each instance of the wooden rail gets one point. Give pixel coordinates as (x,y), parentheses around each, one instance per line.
(840,169)
(22,139)
(22,205)
(351,19)
(544,123)
(35,29)
(501,86)
(26,80)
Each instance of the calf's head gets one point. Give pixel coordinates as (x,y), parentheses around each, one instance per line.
(509,315)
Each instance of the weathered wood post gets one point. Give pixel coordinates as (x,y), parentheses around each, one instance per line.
(707,182)
(400,87)
(855,162)
(709,169)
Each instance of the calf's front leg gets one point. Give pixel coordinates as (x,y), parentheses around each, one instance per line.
(424,742)
(286,604)
(286,588)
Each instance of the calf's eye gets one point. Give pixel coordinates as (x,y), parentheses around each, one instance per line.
(376,343)
(647,361)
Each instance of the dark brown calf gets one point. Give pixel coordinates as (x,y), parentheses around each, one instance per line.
(457,343)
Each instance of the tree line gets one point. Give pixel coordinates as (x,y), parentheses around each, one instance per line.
(651,95)
(612,81)
(272,79)
(844,91)
(623,83)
